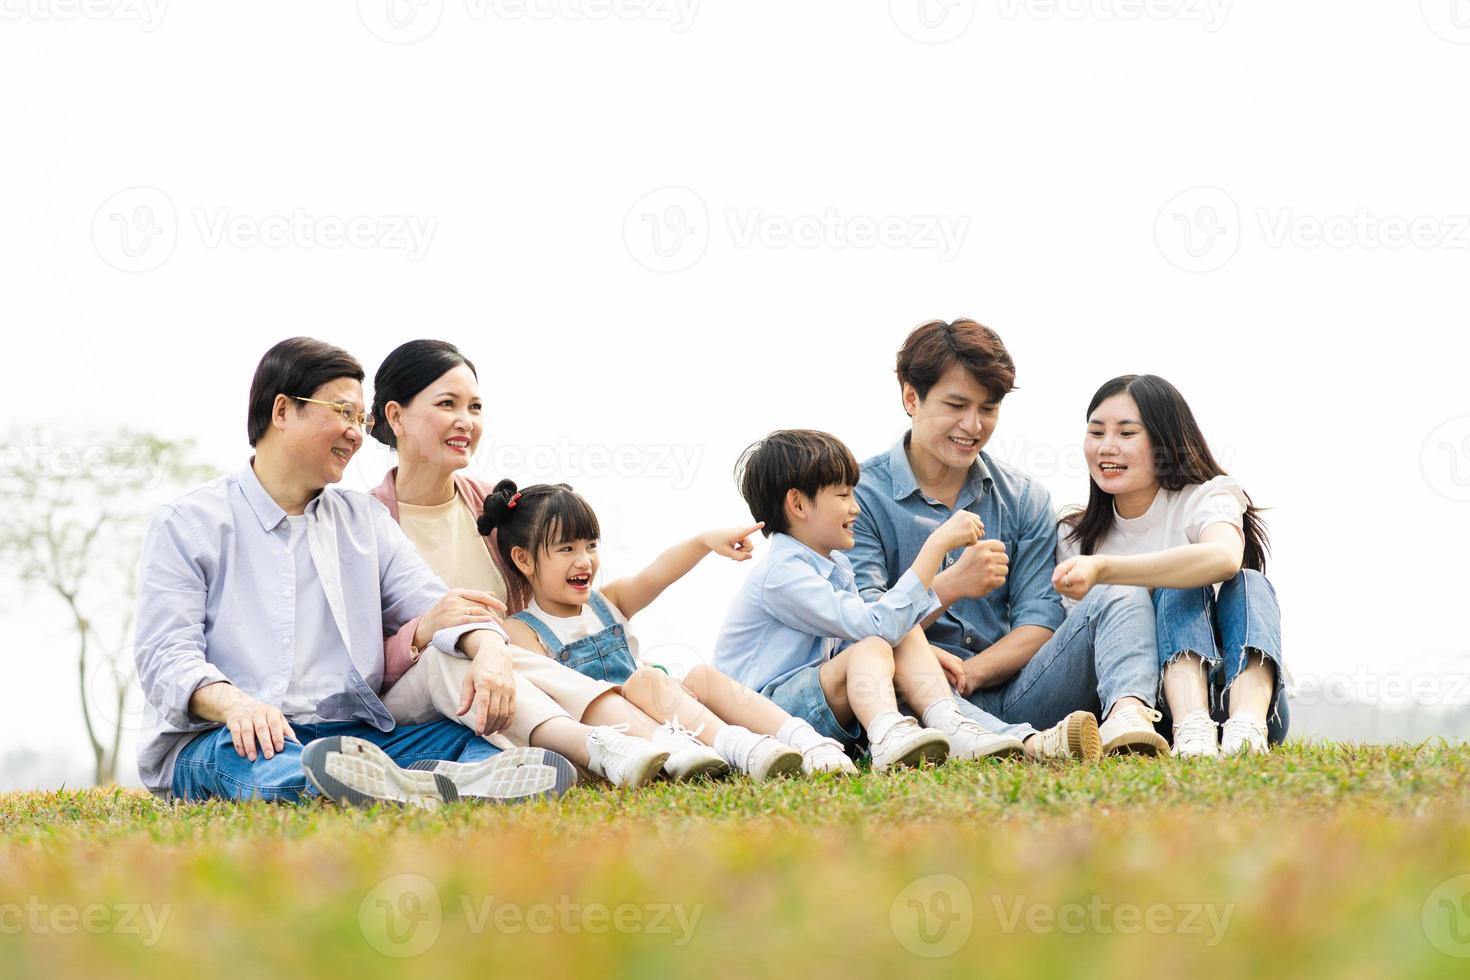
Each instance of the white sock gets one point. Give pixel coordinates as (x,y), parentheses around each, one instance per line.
(941,711)
(882,724)
(735,743)
(799,734)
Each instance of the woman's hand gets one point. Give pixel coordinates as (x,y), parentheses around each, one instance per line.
(732,542)
(456,608)
(1074,577)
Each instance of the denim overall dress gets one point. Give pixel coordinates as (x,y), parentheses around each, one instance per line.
(603,656)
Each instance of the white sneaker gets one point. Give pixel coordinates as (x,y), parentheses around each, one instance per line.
(968,740)
(689,758)
(1131,730)
(1074,737)
(1197,735)
(769,758)
(353,771)
(1244,735)
(827,756)
(907,744)
(622,759)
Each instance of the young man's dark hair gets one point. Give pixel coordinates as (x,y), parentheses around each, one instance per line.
(935,347)
(801,459)
(295,368)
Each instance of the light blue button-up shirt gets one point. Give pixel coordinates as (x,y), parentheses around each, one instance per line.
(216,603)
(797,608)
(897,518)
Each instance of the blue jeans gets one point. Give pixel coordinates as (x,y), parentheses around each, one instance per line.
(208,767)
(800,695)
(1104,650)
(1220,629)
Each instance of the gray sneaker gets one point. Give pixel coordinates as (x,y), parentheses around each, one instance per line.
(355,772)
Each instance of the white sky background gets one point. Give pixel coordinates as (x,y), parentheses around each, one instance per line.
(1053,143)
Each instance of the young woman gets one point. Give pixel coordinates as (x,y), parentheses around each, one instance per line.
(427,405)
(1161,513)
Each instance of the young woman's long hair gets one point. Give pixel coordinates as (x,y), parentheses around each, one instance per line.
(1181,458)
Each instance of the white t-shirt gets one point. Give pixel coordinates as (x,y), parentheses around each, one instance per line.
(570,629)
(1175,518)
(320,661)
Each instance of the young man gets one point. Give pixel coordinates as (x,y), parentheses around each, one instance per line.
(264,600)
(998,621)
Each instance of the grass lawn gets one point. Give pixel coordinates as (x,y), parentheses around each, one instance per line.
(1317,861)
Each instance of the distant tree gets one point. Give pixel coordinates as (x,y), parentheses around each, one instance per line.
(75,510)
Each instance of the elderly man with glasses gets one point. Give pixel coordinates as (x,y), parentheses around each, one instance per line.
(271,604)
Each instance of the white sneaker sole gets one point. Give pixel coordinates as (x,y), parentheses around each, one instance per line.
(515,774)
(924,748)
(651,766)
(354,772)
(997,748)
(1080,735)
(1136,743)
(702,766)
(778,764)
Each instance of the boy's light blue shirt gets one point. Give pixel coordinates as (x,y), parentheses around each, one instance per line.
(797,608)
(897,518)
(217,603)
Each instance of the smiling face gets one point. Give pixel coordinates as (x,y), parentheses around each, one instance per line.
(1119,453)
(953,422)
(562,575)
(823,523)
(316,439)
(440,429)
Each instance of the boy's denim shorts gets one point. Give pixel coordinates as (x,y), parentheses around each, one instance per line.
(800,694)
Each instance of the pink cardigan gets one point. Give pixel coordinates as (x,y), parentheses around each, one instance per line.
(398,650)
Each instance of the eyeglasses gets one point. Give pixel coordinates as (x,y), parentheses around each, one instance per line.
(349,414)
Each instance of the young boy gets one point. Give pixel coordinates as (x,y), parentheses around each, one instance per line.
(799,633)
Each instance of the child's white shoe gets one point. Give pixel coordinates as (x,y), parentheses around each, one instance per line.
(905,743)
(770,758)
(621,759)
(968,740)
(827,756)
(689,758)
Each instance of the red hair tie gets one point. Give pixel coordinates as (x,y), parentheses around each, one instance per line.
(514,499)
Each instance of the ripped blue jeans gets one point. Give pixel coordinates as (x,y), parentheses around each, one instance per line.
(1245,616)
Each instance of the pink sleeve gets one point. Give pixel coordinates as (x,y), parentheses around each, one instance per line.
(397,653)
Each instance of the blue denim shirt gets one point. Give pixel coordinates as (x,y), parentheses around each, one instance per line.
(797,608)
(216,603)
(897,517)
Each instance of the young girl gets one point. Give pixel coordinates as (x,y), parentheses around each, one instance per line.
(548,535)
(1161,513)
